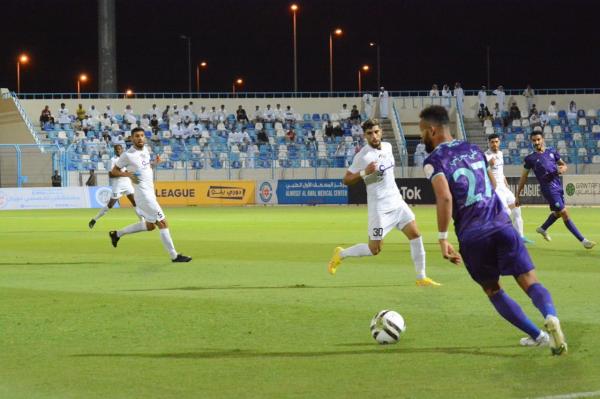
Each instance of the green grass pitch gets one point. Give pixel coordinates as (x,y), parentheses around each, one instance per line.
(255,314)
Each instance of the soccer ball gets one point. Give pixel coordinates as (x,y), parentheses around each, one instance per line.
(387,326)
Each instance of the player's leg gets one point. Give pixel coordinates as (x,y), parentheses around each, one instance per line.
(103,211)
(542,300)
(417,253)
(573,229)
(131,199)
(165,237)
(543,229)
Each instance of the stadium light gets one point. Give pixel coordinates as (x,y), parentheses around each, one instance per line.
(294,8)
(376,45)
(81,79)
(23,59)
(364,68)
(128,93)
(237,82)
(202,64)
(337,32)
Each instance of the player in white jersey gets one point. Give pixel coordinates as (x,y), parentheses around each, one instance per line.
(136,161)
(374,163)
(495,159)
(120,186)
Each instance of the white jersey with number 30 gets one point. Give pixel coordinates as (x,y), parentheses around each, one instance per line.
(383,195)
(498,167)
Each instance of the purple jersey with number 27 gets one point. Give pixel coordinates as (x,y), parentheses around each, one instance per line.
(476,209)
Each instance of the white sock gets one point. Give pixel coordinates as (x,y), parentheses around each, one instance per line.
(101,213)
(132,228)
(417,253)
(517,220)
(165,236)
(356,250)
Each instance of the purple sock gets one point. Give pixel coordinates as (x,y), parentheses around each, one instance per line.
(542,299)
(513,313)
(571,226)
(549,222)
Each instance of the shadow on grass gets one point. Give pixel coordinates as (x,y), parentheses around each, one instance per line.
(49,263)
(376,350)
(280,287)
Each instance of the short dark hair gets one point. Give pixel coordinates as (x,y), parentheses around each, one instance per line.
(137,129)
(536,133)
(369,124)
(493,136)
(435,115)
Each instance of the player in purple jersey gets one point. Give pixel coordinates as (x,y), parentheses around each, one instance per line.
(547,166)
(489,245)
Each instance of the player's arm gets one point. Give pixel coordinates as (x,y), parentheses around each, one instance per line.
(351,178)
(443,199)
(492,179)
(117,172)
(562,166)
(522,182)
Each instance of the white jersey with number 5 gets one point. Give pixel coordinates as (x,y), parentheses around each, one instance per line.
(384,195)
(498,167)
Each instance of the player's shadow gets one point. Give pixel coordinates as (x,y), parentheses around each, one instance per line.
(377,350)
(276,287)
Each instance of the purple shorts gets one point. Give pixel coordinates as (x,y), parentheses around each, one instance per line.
(500,254)
(556,200)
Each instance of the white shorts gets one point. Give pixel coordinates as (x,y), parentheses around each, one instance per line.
(506,196)
(149,209)
(120,187)
(381,223)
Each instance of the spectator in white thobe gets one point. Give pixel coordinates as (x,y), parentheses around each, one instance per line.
(63,115)
(384,103)
(500,98)
(460,96)
(344,113)
(154,110)
(446,97)
(204,115)
(420,154)
(482,96)
(367,100)
(93,112)
(434,92)
(257,116)
(529,95)
(269,115)
(278,113)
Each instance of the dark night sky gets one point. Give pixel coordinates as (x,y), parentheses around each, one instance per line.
(549,43)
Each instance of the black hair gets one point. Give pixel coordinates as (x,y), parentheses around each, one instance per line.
(137,129)
(435,115)
(536,133)
(369,124)
(493,136)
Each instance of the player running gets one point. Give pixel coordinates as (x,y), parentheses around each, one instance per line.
(495,159)
(547,165)
(120,186)
(489,244)
(138,166)
(374,163)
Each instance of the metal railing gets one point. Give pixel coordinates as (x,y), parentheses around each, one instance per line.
(402,137)
(285,94)
(24,153)
(25,117)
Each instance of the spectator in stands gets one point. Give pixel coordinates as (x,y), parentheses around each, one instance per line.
(328,129)
(384,103)
(552,112)
(80,112)
(356,129)
(204,115)
(222,113)
(91,181)
(63,116)
(186,114)
(93,112)
(106,136)
(344,112)
(500,98)
(434,92)
(278,113)
(514,113)
(166,114)
(484,113)
(420,154)
(175,118)
(155,138)
(46,116)
(496,113)
(354,114)
(154,110)
(56,179)
(533,110)
(241,115)
(544,118)
(460,96)
(534,118)
(337,130)
(128,116)
(572,114)
(269,114)
(154,123)
(529,94)
(105,121)
(289,116)
(262,136)
(291,135)
(109,111)
(482,96)
(446,97)
(258,114)
(367,102)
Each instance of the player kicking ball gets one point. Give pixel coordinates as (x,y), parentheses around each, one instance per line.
(374,164)
(489,245)
(135,164)
(495,159)
(120,186)
(547,166)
